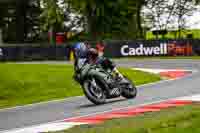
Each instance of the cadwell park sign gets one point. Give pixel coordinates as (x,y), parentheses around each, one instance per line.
(152,48)
(126,50)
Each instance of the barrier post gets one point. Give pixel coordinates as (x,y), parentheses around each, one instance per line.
(71,57)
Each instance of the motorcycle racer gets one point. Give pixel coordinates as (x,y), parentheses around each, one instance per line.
(85,54)
(99,77)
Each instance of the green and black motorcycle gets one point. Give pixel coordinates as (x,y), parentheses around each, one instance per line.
(100,83)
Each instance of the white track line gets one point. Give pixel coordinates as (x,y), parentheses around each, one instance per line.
(58,126)
(40,103)
(194,98)
(157,71)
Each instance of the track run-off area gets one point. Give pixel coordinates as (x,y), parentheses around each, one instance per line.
(32,115)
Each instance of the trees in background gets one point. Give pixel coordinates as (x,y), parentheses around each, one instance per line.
(184,8)
(139,18)
(153,14)
(19,20)
(108,19)
(168,15)
(100,19)
(52,18)
(127,19)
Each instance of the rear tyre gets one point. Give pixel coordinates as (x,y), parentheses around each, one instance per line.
(129,90)
(94,91)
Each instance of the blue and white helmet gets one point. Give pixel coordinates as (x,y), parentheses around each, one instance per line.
(81,49)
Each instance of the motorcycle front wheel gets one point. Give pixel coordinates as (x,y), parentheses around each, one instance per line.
(93,90)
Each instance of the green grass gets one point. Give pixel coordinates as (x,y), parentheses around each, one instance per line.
(174,120)
(174,34)
(31,83)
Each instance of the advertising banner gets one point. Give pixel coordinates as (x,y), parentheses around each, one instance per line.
(150,48)
(110,49)
(31,53)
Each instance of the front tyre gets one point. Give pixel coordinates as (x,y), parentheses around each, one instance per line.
(129,90)
(93,90)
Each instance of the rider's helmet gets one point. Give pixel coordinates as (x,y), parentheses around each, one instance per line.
(80,49)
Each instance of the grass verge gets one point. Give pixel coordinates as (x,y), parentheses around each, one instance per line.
(31,83)
(174,120)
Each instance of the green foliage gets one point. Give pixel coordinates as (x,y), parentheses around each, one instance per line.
(116,17)
(52,15)
(197,1)
(113,19)
(174,34)
(52,18)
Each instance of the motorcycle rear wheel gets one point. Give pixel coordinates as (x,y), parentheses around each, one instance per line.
(130,90)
